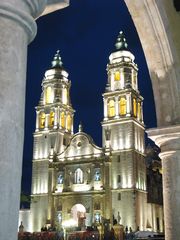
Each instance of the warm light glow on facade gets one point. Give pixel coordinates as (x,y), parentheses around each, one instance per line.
(62,120)
(42,117)
(49,95)
(111,108)
(122,106)
(51,119)
(117,76)
(69,122)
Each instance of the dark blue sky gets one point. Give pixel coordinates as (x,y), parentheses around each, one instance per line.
(85,34)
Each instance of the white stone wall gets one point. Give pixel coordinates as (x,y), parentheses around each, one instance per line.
(39,208)
(125,207)
(25,218)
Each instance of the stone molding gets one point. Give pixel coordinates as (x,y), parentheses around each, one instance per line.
(54,5)
(167,138)
(36,7)
(23,18)
(161,55)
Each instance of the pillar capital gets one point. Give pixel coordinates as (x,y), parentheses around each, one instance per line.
(167,138)
(23,13)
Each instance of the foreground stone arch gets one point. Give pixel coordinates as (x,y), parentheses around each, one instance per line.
(157,24)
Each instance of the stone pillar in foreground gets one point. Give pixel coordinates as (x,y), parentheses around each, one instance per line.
(168,139)
(17,29)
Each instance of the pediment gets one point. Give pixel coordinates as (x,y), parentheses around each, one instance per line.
(80,146)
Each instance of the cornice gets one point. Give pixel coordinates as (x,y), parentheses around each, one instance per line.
(21,15)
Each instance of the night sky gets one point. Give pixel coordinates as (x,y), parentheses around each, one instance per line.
(85,33)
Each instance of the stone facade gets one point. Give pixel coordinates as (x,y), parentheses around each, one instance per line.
(75,182)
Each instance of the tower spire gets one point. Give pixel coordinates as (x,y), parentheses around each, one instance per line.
(121,43)
(80,127)
(57,63)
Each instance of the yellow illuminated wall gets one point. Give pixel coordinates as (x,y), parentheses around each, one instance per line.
(69,121)
(51,119)
(134,107)
(111,108)
(42,120)
(122,106)
(117,76)
(62,120)
(49,95)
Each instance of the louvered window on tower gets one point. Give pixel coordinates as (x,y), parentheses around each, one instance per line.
(62,120)
(122,106)
(134,107)
(49,95)
(69,121)
(117,76)
(139,111)
(42,120)
(127,77)
(134,81)
(111,108)
(51,119)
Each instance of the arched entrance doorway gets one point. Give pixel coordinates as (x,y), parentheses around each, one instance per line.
(78,213)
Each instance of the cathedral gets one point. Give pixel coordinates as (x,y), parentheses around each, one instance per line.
(76,183)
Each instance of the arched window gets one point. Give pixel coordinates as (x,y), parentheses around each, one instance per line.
(97,176)
(139,111)
(64,100)
(51,119)
(62,120)
(42,117)
(49,95)
(134,107)
(122,106)
(117,76)
(111,108)
(134,80)
(60,179)
(69,122)
(78,176)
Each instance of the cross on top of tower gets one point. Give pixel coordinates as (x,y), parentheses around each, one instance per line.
(121,43)
(57,63)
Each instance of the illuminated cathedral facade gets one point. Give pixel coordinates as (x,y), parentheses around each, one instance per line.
(77,183)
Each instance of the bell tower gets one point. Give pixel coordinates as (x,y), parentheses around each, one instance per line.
(123,136)
(54,128)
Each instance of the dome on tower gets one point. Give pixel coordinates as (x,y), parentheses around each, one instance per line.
(57,70)
(57,62)
(121,43)
(121,53)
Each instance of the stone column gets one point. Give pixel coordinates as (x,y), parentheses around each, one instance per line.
(17,29)
(55,118)
(168,139)
(116,107)
(37,121)
(105,109)
(46,121)
(128,101)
